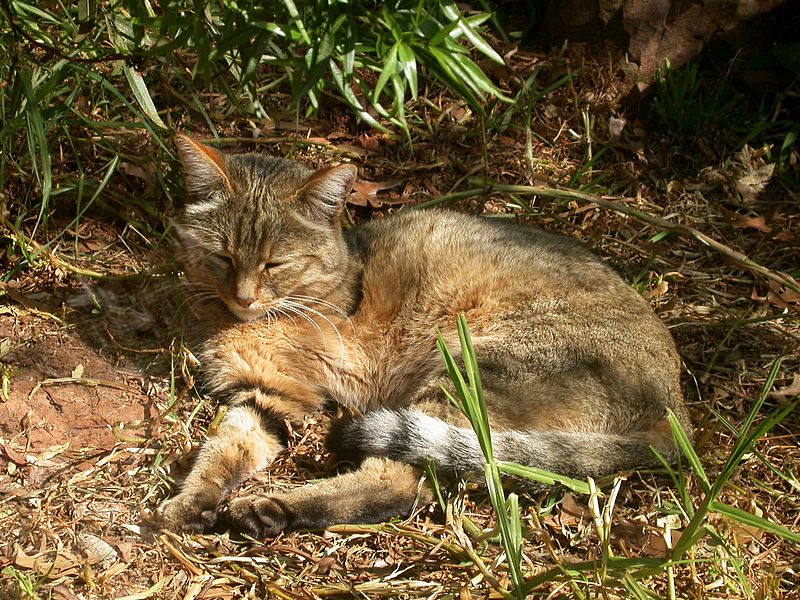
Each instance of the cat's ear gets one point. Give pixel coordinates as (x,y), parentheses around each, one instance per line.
(185,237)
(203,166)
(327,190)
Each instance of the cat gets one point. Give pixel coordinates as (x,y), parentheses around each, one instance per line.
(578,372)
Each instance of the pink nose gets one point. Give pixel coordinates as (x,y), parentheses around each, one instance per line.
(245,302)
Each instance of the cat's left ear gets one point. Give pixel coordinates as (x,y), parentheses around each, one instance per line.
(327,190)
(203,166)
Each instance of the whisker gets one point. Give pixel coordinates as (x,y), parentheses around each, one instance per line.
(285,314)
(323,303)
(304,316)
(302,307)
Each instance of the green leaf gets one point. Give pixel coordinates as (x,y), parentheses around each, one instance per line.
(142,95)
(351,98)
(298,22)
(408,63)
(451,11)
(542,476)
(442,65)
(686,447)
(389,71)
(37,139)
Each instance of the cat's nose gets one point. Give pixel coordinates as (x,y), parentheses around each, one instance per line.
(245,302)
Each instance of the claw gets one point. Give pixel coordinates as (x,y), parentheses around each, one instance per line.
(258,516)
(187,512)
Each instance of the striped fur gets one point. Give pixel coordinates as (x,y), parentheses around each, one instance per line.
(578,372)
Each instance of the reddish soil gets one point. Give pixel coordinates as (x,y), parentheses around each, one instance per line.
(61,391)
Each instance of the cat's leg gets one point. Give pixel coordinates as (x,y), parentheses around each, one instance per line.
(247,441)
(378,490)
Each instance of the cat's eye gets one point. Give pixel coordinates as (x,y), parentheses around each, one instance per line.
(268,266)
(222,259)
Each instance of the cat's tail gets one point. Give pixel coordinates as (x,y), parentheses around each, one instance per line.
(411,436)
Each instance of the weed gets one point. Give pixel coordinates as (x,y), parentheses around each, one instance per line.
(27,585)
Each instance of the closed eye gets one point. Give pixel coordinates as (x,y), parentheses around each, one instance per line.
(271,265)
(223,260)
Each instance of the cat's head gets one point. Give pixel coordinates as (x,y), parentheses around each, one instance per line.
(261,232)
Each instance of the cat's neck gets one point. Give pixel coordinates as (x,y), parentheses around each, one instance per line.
(346,294)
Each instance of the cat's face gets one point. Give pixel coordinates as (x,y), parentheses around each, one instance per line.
(261,233)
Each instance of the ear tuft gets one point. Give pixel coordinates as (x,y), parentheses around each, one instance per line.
(203,167)
(326,191)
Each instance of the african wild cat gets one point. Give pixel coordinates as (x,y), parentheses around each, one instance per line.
(578,371)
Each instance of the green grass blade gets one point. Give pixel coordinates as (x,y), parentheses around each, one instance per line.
(747,438)
(686,447)
(389,70)
(291,7)
(38,141)
(408,62)
(542,476)
(142,95)
(746,518)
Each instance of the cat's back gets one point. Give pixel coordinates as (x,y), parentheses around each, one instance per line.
(440,249)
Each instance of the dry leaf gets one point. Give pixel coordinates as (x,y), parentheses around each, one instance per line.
(97,550)
(369,142)
(757,222)
(61,565)
(615,127)
(365,193)
(77,372)
(572,512)
(777,296)
(658,291)
(790,391)
(13,456)
(754,182)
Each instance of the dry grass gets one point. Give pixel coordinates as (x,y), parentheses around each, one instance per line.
(71,514)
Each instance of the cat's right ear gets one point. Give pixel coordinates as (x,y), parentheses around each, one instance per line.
(327,190)
(203,167)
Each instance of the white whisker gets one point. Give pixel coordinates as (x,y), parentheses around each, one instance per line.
(300,300)
(301,307)
(293,309)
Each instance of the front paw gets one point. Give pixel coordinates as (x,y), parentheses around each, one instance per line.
(259,517)
(187,512)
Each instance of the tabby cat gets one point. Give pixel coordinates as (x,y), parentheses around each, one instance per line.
(578,372)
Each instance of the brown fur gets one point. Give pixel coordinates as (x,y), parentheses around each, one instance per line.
(578,372)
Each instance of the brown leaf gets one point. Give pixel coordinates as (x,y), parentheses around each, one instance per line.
(791,390)
(369,142)
(12,455)
(365,193)
(61,565)
(744,534)
(571,511)
(656,546)
(783,236)
(777,296)
(757,222)
(753,182)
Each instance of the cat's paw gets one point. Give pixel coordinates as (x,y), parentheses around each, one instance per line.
(187,512)
(260,517)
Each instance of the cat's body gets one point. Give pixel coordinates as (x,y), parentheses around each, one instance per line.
(578,373)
